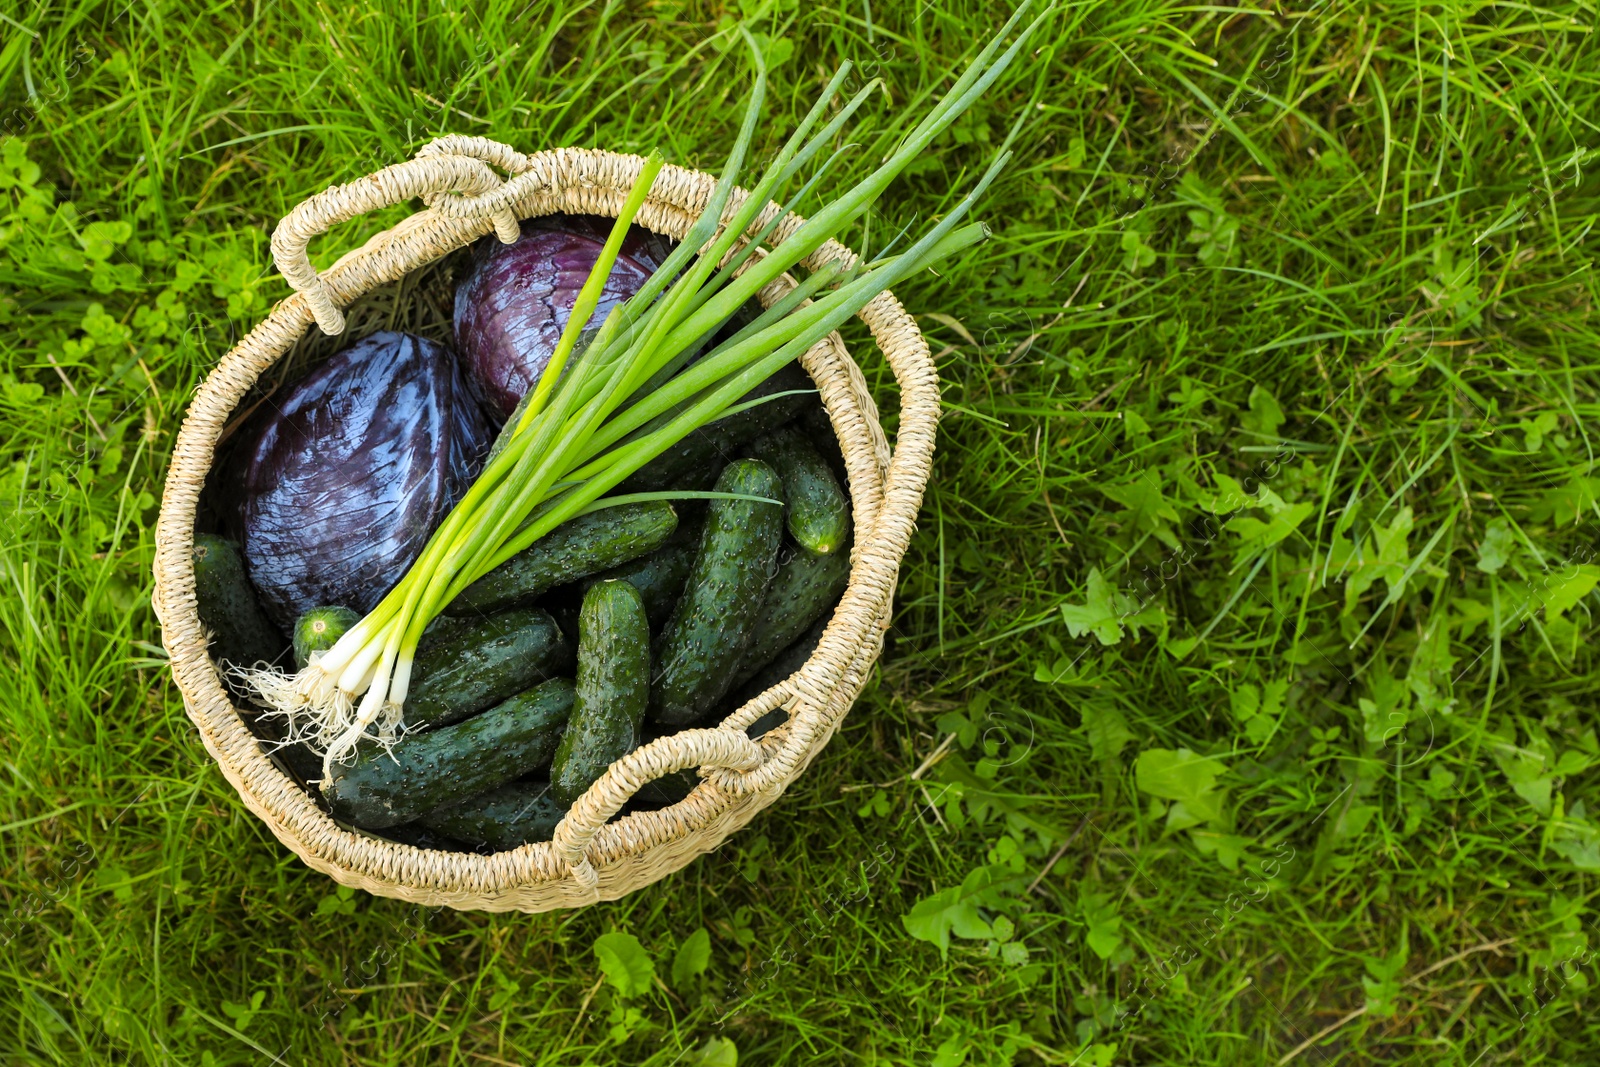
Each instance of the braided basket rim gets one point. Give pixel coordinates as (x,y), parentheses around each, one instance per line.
(591,859)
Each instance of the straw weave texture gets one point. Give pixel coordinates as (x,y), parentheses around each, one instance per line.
(591,858)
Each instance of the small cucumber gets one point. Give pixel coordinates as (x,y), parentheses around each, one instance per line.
(475,666)
(428,770)
(805,588)
(816,511)
(585,545)
(318,630)
(701,645)
(501,819)
(243,636)
(613,688)
(696,461)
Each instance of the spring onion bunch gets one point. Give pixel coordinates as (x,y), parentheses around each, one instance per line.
(636,388)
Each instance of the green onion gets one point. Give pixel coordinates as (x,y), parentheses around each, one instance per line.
(602,410)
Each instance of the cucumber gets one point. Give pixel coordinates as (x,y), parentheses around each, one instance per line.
(612,692)
(318,630)
(697,460)
(700,648)
(805,588)
(242,635)
(468,668)
(816,511)
(659,577)
(501,819)
(583,546)
(425,771)
(443,628)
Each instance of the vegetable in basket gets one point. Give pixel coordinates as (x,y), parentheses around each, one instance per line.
(640,385)
(510,310)
(241,634)
(354,470)
(702,643)
(612,691)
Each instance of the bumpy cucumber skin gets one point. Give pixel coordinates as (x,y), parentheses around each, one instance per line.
(586,545)
(227,604)
(501,819)
(816,511)
(473,667)
(701,646)
(428,770)
(613,688)
(697,460)
(318,630)
(805,588)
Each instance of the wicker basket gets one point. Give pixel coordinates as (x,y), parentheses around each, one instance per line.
(591,857)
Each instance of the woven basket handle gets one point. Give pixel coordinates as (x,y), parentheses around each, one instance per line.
(716,748)
(449,165)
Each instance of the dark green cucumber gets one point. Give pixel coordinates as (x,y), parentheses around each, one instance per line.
(471,667)
(613,688)
(501,819)
(242,635)
(659,576)
(318,629)
(443,628)
(697,460)
(815,508)
(702,644)
(425,771)
(586,545)
(805,589)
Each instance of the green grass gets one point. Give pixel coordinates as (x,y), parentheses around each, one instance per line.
(1220,765)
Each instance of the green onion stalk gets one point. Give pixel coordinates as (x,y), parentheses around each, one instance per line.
(611,401)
